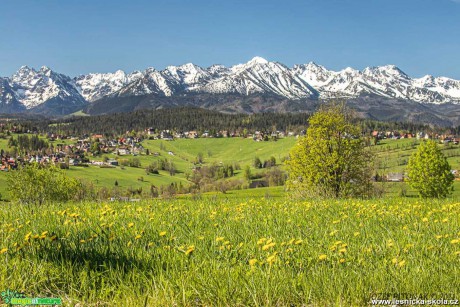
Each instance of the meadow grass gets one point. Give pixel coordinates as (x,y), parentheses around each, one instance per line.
(231,252)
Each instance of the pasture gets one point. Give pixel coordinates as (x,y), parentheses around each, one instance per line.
(234,252)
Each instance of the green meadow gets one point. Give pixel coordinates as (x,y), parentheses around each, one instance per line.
(390,156)
(267,251)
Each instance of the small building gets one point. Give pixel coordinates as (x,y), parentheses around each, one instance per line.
(395,177)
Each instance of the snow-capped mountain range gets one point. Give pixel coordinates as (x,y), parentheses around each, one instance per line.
(30,89)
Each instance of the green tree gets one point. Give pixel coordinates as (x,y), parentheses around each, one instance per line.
(429,172)
(247,172)
(331,160)
(36,184)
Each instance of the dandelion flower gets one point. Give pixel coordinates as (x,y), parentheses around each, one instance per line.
(298,242)
(268,246)
(455,241)
(322,257)
(163,233)
(252,262)
(261,241)
(190,250)
(271,259)
(218,239)
(342,260)
(3,250)
(138,237)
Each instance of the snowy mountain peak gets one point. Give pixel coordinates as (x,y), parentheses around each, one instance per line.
(29,88)
(257,60)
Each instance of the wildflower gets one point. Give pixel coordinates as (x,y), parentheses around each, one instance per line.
(455,241)
(356,234)
(129,243)
(298,242)
(252,262)
(3,250)
(218,239)
(343,250)
(162,233)
(425,220)
(342,260)
(402,263)
(130,225)
(261,241)
(27,236)
(190,250)
(82,241)
(271,259)
(137,237)
(322,257)
(268,246)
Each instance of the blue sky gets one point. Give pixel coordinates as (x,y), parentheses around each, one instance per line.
(81,36)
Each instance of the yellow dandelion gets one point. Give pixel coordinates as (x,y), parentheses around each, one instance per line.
(298,242)
(268,246)
(402,263)
(190,249)
(3,250)
(82,241)
(27,236)
(261,241)
(162,233)
(271,259)
(53,238)
(129,243)
(425,220)
(130,225)
(342,250)
(356,234)
(252,262)
(322,257)
(218,239)
(137,237)
(394,260)
(342,260)
(455,241)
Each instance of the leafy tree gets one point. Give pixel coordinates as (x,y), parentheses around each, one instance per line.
(257,163)
(36,184)
(429,172)
(247,172)
(331,160)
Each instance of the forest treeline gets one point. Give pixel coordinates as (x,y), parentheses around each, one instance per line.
(187,118)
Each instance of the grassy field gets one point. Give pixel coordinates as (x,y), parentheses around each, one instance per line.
(231,252)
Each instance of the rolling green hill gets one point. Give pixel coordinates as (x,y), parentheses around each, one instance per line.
(390,156)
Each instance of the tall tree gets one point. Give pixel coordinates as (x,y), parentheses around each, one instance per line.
(331,160)
(429,172)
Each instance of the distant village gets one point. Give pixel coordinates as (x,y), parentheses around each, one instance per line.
(81,150)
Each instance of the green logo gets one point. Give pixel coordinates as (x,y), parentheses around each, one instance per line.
(12,297)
